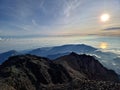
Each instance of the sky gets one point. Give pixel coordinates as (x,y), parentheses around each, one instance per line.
(26,24)
(22,18)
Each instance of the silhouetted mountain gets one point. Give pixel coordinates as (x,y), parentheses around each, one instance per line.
(6,55)
(70,72)
(87,66)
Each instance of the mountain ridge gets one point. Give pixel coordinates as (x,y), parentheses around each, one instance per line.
(87,64)
(106,58)
(30,72)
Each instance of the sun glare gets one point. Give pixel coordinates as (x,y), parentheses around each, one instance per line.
(105,17)
(103,45)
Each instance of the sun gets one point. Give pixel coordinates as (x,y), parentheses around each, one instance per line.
(103,45)
(105,17)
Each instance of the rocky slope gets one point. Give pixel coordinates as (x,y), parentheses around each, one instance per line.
(32,73)
(70,72)
(87,67)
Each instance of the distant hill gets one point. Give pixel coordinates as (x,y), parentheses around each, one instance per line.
(50,52)
(78,48)
(69,72)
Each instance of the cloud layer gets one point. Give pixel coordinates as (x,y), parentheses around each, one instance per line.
(112,28)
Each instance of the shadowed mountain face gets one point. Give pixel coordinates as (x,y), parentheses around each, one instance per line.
(29,72)
(87,67)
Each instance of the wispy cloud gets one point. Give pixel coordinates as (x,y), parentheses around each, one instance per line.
(67,13)
(51,16)
(34,22)
(112,28)
(41,6)
(70,7)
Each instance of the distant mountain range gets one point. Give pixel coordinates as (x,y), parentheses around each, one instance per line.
(69,72)
(108,59)
(80,48)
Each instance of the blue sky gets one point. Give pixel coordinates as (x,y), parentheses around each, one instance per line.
(58,17)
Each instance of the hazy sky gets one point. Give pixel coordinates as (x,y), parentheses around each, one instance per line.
(58,17)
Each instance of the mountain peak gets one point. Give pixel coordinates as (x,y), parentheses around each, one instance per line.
(73,53)
(88,65)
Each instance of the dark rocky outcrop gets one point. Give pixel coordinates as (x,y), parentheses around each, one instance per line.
(27,72)
(87,66)
(70,72)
